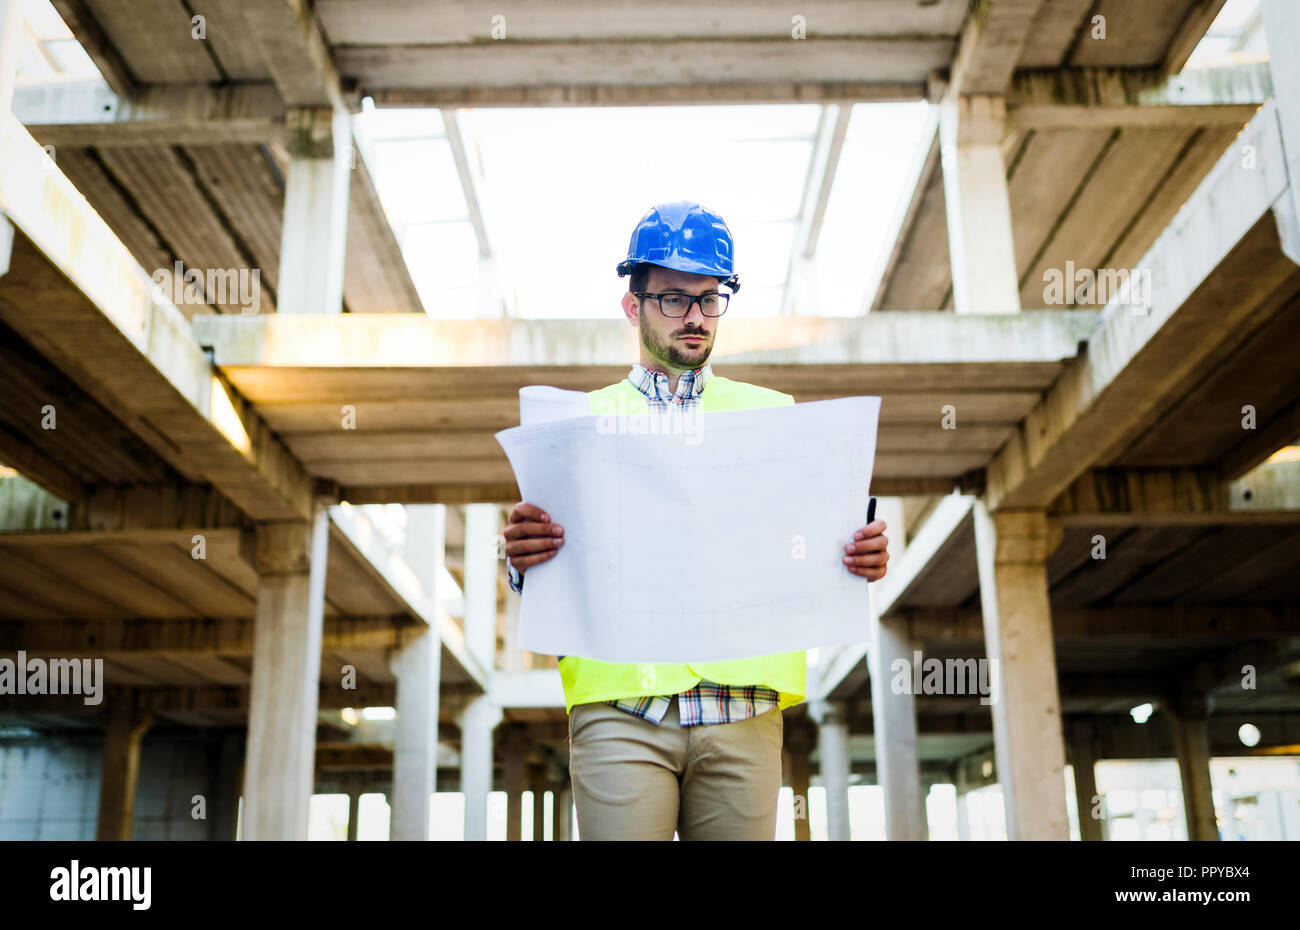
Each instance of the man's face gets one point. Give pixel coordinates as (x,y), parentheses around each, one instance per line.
(682,343)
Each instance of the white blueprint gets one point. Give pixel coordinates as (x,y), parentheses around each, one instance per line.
(716,537)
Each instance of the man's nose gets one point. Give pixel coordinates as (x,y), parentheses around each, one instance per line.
(694,314)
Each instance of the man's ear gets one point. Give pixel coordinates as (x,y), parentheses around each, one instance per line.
(631,310)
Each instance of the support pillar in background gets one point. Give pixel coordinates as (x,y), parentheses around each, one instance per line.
(228,776)
(1188,715)
(125,723)
(11,36)
(313,236)
(477,722)
(481,578)
(354,811)
(962,789)
(800,738)
(898,769)
(537,785)
(418,668)
(280,761)
(833,751)
(1012,549)
(516,751)
(1282,32)
(562,808)
(980,244)
(1083,759)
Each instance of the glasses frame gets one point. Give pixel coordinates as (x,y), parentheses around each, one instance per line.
(695,298)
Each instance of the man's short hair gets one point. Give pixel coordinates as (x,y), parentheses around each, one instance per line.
(639,279)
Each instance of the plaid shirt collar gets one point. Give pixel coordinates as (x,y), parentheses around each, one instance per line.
(654,384)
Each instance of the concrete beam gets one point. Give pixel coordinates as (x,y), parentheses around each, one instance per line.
(211,699)
(211,636)
(526,688)
(832,129)
(79,114)
(90,35)
(499,294)
(991,44)
(99,305)
(924,165)
(296,53)
(1229,623)
(108,513)
(410,341)
(1225,260)
(1102,98)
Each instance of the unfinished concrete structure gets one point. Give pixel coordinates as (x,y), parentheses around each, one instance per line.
(184,468)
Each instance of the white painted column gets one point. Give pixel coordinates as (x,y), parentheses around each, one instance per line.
(1012,549)
(833,751)
(1189,716)
(279,765)
(1282,32)
(313,238)
(980,243)
(963,815)
(477,722)
(481,579)
(898,769)
(415,746)
(11,32)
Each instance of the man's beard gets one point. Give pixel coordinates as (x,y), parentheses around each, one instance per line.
(671,354)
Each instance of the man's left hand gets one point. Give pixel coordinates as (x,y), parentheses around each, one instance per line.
(868,553)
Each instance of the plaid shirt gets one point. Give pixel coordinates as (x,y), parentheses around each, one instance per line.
(707,702)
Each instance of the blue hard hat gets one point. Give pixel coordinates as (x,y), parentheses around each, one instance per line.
(684,236)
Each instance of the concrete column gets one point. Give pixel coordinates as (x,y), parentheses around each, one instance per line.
(894,721)
(833,750)
(1188,715)
(1282,32)
(800,737)
(314,234)
(481,578)
(125,723)
(537,784)
(1012,549)
(961,784)
(562,810)
(417,668)
(963,815)
(980,244)
(926,785)
(1083,757)
(425,546)
(477,722)
(11,32)
(223,810)
(280,760)
(516,750)
(354,811)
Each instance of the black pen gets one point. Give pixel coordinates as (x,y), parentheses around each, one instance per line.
(871,510)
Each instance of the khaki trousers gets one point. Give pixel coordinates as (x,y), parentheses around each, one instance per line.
(633,780)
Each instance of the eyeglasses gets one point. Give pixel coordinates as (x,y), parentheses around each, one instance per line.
(678,305)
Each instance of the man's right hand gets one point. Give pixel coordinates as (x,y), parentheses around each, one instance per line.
(531,537)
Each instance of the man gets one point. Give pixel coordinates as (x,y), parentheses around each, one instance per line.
(707,763)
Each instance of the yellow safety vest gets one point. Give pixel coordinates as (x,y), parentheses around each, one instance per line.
(587,681)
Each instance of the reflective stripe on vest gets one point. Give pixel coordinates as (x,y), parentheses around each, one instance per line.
(589,680)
